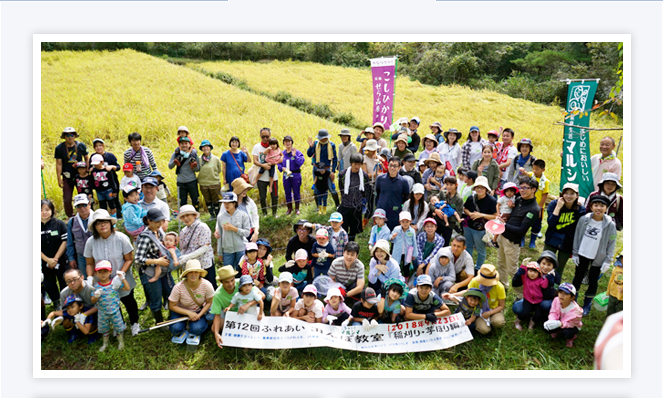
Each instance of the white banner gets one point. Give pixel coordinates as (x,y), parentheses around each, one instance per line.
(280,333)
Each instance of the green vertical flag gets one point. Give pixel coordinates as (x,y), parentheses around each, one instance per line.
(576,164)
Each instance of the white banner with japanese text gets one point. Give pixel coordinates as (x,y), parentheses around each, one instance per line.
(281,333)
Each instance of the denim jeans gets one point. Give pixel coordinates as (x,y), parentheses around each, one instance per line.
(195,327)
(80,260)
(233,259)
(517,307)
(155,291)
(473,238)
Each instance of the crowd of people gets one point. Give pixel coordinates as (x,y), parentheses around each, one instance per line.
(431,202)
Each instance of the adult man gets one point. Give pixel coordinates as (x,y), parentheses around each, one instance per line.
(506,153)
(462,263)
(349,271)
(391,192)
(140,157)
(353,183)
(522,217)
(263,179)
(185,161)
(78,234)
(76,284)
(606,161)
(224,293)
(67,154)
(323,153)
(409,161)
(150,200)
(302,240)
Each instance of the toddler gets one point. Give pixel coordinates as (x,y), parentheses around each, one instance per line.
(74,311)
(369,134)
(129,178)
(389,307)
(405,249)
(322,252)
(530,277)
(616,287)
(379,230)
(365,312)
(273,156)
(442,271)
(337,235)
(105,183)
(335,312)
(253,266)
(505,205)
(132,212)
(170,241)
(301,269)
(84,181)
(247,294)
(469,306)
(107,300)
(447,211)
(309,309)
(285,297)
(565,315)
(437,181)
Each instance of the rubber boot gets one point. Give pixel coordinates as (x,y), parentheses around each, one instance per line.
(158,316)
(104,345)
(297,208)
(73,335)
(319,209)
(287,213)
(337,202)
(587,305)
(522,242)
(324,209)
(532,241)
(92,337)
(120,339)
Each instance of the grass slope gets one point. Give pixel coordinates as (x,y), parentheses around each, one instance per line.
(349,90)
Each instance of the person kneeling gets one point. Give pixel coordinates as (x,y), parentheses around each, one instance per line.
(422,303)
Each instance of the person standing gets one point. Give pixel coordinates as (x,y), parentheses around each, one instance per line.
(323,156)
(140,157)
(185,161)
(450,150)
(263,180)
(291,167)
(345,150)
(232,162)
(67,154)
(391,192)
(53,256)
(606,161)
(471,150)
(111,165)
(505,154)
(353,183)
(78,233)
(209,178)
(196,242)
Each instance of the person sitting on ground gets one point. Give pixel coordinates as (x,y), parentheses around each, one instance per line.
(365,312)
(390,306)
(442,272)
(565,315)
(302,270)
(335,312)
(382,267)
(192,298)
(492,309)
(303,239)
(531,278)
(309,309)
(247,294)
(469,306)
(463,264)
(422,303)
(348,270)
(76,318)
(548,263)
(285,296)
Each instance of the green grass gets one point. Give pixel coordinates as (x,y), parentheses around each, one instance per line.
(507,348)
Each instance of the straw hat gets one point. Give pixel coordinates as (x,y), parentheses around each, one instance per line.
(433,157)
(488,275)
(481,181)
(226,272)
(401,137)
(193,266)
(239,185)
(430,137)
(187,209)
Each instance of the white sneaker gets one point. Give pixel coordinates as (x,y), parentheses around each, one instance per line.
(135,328)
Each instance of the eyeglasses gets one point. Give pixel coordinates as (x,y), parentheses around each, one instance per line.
(524,188)
(394,166)
(302,229)
(70,281)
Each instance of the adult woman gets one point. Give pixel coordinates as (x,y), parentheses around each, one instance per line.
(208,178)
(563,216)
(196,241)
(430,144)
(488,281)
(53,245)
(235,226)
(107,244)
(232,161)
(488,167)
(191,297)
(471,150)
(522,163)
(480,207)
(151,252)
(293,160)
(247,205)
(450,149)
(417,207)
(140,157)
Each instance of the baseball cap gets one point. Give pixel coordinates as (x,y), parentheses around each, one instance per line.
(155,214)
(567,288)
(380,213)
(182,128)
(130,188)
(424,280)
(103,264)
(96,159)
(80,164)
(418,188)
(336,217)
(245,280)
(404,215)
(128,167)
(72,298)
(572,186)
(431,220)
(369,295)
(151,181)
(285,277)
(310,289)
(301,254)
(534,265)
(81,199)
(229,197)
(97,140)
(321,233)
(416,119)
(251,246)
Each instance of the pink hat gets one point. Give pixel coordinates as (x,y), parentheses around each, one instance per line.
(430,219)
(103,264)
(310,289)
(322,233)
(495,227)
(251,246)
(507,186)
(301,254)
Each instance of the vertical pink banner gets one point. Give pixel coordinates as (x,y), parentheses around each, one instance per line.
(384,77)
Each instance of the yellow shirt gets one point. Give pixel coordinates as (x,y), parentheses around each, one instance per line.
(616,284)
(494,295)
(544,186)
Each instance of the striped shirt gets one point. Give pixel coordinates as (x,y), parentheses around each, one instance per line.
(145,169)
(343,275)
(181,296)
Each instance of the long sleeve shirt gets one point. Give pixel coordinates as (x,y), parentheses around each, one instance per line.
(233,242)
(292,161)
(133,157)
(438,241)
(402,241)
(186,173)
(339,244)
(523,215)
(393,271)
(570,318)
(324,158)
(378,233)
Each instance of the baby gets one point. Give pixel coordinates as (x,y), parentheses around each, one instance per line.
(447,211)
(437,181)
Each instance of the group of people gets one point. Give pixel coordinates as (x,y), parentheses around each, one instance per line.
(428,217)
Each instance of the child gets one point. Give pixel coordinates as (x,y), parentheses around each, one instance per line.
(422,303)
(170,241)
(162,189)
(365,312)
(129,177)
(73,310)
(320,186)
(84,181)
(470,179)
(437,181)
(182,132)
(132,212)
(538,167)
(273,156)
(447,211)
(422,166)
(382,266)
(505,204)
(253,266)
(246,294)
(285,297)
(264,254)
(105,183)
(405,249)
(493,141)
(565,315)
(530,277)
(335,312)
(461,176)
(369,134)
(309,309)
(337,235)
(469,306)
(389,307)
(107,300)
(442,271)
(616,287)
(380,230)
(323,252)
(301,269)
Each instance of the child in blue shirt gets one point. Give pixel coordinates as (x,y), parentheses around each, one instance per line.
(404,239)
(322,252)
(132,212)
(380,230)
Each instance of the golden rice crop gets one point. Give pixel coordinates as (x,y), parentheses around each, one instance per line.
(349,90)
(111,94)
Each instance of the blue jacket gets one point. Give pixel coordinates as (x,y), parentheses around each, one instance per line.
(323,155)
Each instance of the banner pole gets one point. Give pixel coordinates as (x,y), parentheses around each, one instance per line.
(43,187)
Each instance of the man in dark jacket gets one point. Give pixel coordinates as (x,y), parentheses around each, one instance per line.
(522,217)
(391,191)
(353,184)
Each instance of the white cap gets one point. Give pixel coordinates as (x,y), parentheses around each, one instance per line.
(81,199)
(404,215)
(285,277)
(418,188)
